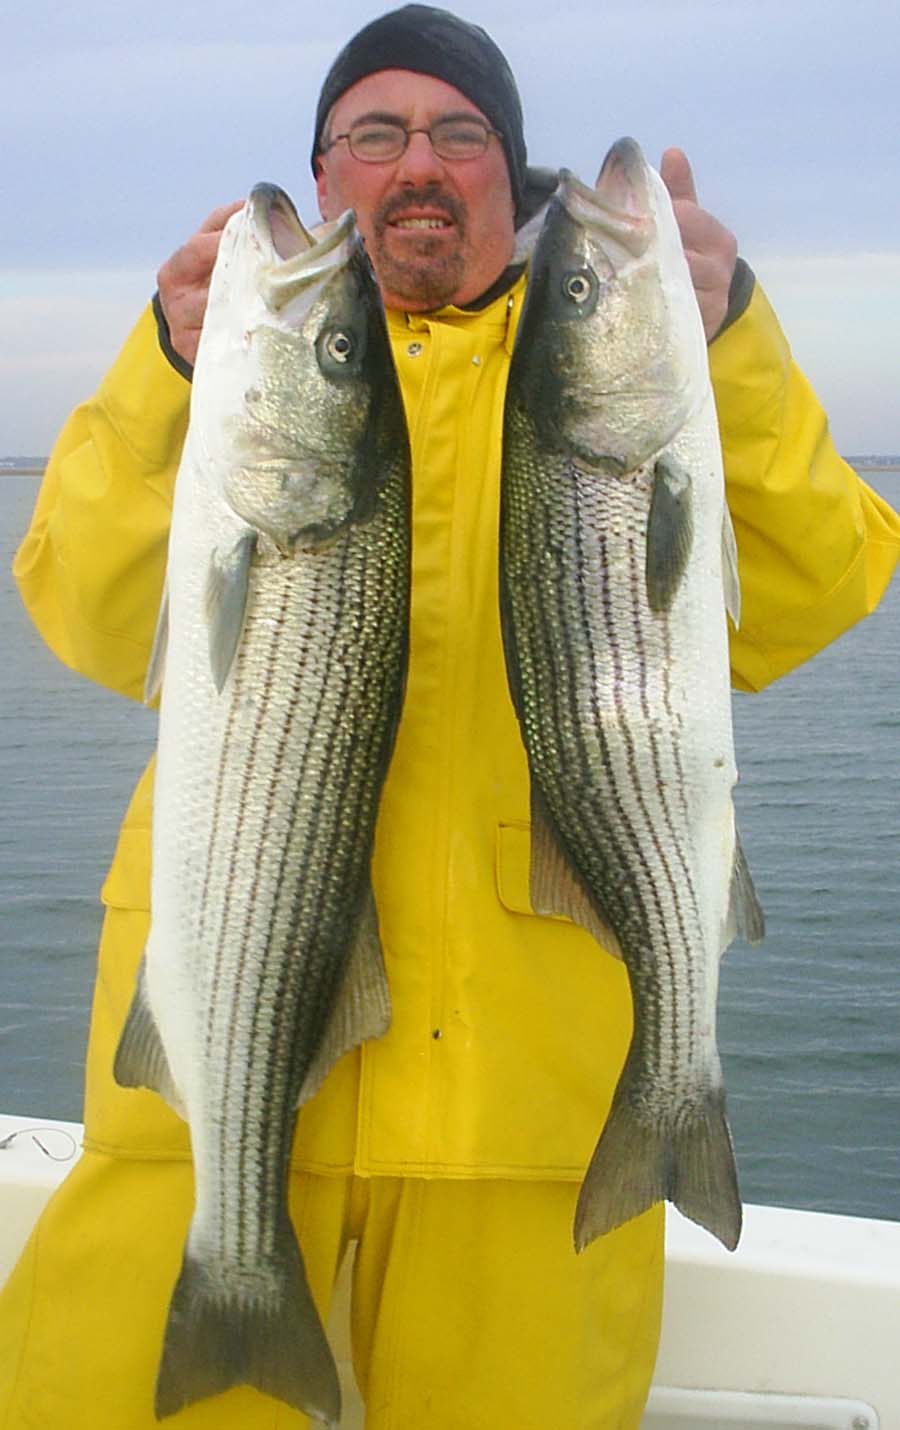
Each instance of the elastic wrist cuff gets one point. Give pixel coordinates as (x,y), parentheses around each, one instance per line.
(179,363)
(743,280)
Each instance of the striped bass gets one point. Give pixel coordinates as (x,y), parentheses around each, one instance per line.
(617,563)
(284,641)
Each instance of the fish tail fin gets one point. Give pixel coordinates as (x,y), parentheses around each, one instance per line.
(627,1174)
(226,1330)
(636,1164)
(704,1184)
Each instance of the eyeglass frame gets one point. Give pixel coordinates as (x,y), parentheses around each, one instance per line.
(408,133)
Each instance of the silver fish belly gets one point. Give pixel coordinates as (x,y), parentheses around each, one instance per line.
(616,563)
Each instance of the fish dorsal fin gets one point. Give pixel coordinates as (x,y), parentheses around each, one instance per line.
(670,533)
(362,1009)
(730,577)
(555,888)
(745,915)
(157,663)
(141,1059)
(227,584)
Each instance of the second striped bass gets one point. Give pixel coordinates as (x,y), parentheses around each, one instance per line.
(617,563)
(284,640)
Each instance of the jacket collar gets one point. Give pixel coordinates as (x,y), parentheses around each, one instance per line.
(502,310)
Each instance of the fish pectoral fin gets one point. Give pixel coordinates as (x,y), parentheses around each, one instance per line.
(554,887)
(156,666)
(141,1059)
(730,578)
(745,915)
(362,1008)
(670,533)
(227,584)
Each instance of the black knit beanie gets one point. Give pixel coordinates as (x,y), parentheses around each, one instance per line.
(431,41)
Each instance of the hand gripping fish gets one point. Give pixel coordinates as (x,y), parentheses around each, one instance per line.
(284,640)
(617,562)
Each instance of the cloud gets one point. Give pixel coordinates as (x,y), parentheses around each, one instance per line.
(841,313)
(68,327)
(116,148)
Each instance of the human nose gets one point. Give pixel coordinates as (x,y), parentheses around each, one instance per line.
(418,163)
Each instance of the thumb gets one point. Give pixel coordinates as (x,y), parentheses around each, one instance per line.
(675,172)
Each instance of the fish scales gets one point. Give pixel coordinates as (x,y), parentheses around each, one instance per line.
(301,690)
(610,709)
(616,566)
(284,638)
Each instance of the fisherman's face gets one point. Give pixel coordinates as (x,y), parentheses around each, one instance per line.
(437,230)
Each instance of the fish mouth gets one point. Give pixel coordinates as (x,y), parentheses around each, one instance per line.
(276,221)
(620,205)
(295,257)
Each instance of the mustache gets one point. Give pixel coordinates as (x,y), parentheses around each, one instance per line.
(432,195)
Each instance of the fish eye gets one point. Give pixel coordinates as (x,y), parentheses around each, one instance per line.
(339,346)
(578,285)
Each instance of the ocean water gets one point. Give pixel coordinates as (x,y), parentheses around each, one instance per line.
(809,1021)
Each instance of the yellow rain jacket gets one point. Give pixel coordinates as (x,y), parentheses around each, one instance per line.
(509,1029)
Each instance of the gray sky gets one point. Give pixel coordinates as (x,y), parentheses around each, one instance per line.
(125,122)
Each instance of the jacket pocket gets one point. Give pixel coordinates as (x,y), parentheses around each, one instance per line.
(513,869)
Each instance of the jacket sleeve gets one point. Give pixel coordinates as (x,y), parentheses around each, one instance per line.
(91,568)
(816,545)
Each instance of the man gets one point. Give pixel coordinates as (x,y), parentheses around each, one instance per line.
(452,1148)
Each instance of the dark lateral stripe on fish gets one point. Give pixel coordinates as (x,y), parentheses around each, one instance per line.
(267,1163)
(220,910)
(562,685)
(225,995)
(323,836)
(681,888)
(255,1151)
(542,630)
(670,867)
(224,1004)
(641,839)
(329,695)
(550,644)
(207,903)
(368,754)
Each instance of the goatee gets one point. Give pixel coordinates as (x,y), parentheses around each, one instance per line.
(430,271)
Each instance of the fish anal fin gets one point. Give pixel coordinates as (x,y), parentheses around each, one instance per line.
(362,1008)
(642,1160)
(156,666)
(554,886)
(247,1325)
(670,533)
(141,1059)
(745,915)
(731,580)
(227,585)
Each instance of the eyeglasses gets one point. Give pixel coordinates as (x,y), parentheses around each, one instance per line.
(381,141)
